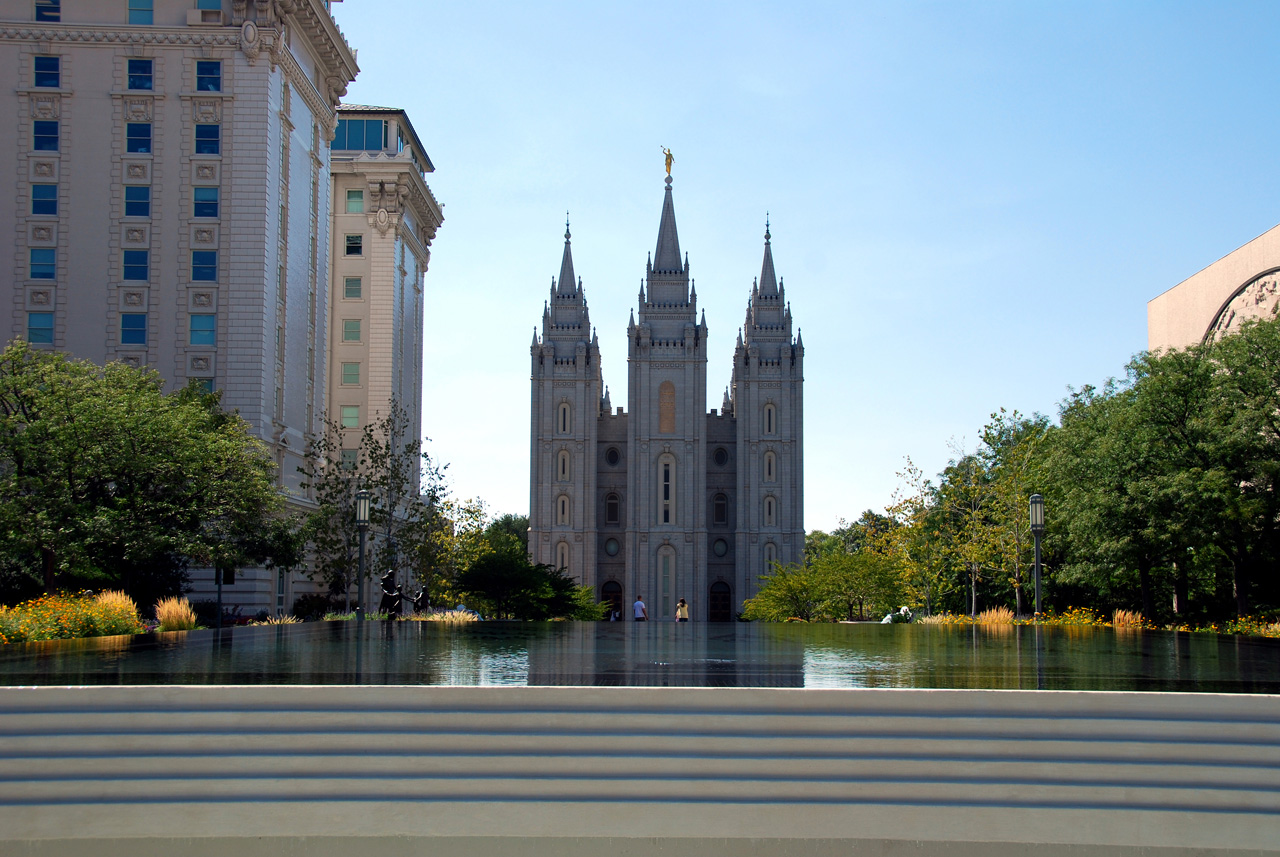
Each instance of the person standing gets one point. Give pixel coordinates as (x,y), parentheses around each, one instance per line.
(641,613)
(682,611)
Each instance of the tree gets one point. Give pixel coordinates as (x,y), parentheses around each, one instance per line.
(508,586)
(787,592)
(1010,444)
(916,542)
(856,580)
(106,481)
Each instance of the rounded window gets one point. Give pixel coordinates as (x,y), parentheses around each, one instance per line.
(720,456)
(720,547)
(612,457)
(611,547)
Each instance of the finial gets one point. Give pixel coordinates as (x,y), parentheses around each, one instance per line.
(566,226)
(766,226)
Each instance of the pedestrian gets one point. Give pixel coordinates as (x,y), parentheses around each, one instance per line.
(642,614)
(682,611)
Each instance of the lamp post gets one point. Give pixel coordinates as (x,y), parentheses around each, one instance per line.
(1037,530)
(362,524)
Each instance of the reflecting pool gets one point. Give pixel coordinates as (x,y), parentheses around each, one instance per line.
(659,655)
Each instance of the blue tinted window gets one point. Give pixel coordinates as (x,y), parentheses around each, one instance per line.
(133,328)
(205,202)
(208,76)
(208,139)
(141,74)
(368,135)
(137,137)
(209,5)
(44,135)
(204,329)
(43,263)
(136,264)
(48,71)
(204,385)
(44,199)
(40,328)
(204,264)
(48,10)
(137,201)
(140,12)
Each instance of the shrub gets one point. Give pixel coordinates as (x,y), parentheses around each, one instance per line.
(314,606)
(63,616)
(175,614)
(995,616)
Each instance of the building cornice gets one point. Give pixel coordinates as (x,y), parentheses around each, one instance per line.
(120,35)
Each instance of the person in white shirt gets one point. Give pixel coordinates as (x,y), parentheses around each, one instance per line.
(642,615)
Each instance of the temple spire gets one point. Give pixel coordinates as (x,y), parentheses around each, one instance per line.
(768,280)
(666,258)
(566,284)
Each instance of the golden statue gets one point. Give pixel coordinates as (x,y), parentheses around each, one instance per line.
(670,158)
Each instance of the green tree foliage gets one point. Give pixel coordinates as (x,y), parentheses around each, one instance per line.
(852,582)
(504,584)
(788,592)
(106,481)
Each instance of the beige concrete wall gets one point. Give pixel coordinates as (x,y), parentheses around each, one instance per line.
(452,770)
(1183,315)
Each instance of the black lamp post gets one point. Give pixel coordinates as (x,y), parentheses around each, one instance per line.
(1037,530)
(362,524)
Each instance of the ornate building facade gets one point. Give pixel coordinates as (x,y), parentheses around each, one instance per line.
(665,499)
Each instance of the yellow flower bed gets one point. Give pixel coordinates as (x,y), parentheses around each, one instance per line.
(65,616)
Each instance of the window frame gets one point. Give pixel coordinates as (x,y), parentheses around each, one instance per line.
(38,74)
(133,334)
(209,209)
(47,266)
(42,315)
(142,13)
(349,416)
(146,188)
(358,197)
(146,73)
(204,266)
(612,508)
(350,374)
(356,245)
(202,79)
(134,140)
(346,288)
(206,142)
(51,131)
(134,263)
(204,334)
(720,510)
(50,202)
(350,325)
(48,11)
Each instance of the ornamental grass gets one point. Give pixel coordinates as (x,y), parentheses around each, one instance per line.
(65,616)
(175,614)
(996,616)
(286,619)
(453,616)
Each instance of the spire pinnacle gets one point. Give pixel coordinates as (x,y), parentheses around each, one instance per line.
(567,281)
(768,280)
(666,257)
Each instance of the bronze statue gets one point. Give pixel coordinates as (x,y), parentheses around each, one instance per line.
(670,158)
(391,598)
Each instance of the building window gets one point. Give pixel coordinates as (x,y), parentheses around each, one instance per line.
(137,201)
(204,265)
(611,547)
(141,74)
(350,416)
(204,385)
(770,467)
(204,202)
(770,419)
(351,330)
(49,10)
(564,418)
(720,456)
(360,135)
(44,135)
(611,508)
(204,329)
(48,71)
(355,245)
(562,511)
(667,408)
(140,12)
(43,263)
(209,72)
(770,512)
(350,458)
(351,373)
(612,456)
(355,202)
(137,138)
(208,139)
(666,559)
(351,288)
(40,328)
(720,510)
(562,557)
(666,489)
(562,466)
(133,328)
(44,199)
(770,555)
(137,264)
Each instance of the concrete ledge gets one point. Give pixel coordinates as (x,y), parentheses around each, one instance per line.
(283,770)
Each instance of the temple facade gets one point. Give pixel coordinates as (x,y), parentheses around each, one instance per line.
(664,499)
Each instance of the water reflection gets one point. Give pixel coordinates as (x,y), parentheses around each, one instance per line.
(660,654)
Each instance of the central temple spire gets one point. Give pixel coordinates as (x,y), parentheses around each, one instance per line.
(565,285)
(666,258)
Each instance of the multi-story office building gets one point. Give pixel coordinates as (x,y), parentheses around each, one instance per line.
(384,219)
(171,194)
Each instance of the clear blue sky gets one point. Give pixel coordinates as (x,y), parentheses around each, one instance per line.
(971,204)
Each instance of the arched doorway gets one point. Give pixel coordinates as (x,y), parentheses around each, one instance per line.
(719,603)
(611,594)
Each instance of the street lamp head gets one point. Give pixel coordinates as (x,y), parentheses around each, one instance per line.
(362,507)
(1037,514)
